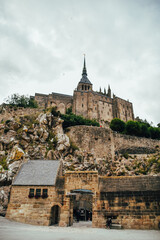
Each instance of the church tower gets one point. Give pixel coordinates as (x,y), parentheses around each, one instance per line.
(84,84)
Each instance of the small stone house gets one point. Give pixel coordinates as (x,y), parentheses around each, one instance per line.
(40,195)
(34,197)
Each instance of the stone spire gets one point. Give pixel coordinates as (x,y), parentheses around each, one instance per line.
(109,91)
(84,78)
(84,72)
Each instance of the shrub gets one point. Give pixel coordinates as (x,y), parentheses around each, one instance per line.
(125,155)
(133,128)
(55,112)
(73,146)
(6,130)
(73,120)
(3,163)
(117,125)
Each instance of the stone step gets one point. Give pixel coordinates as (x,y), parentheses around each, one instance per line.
(116,226)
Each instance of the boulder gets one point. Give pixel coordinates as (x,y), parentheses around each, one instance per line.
(16,154)
(42,118)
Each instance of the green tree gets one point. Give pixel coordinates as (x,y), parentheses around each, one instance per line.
(117,125)
(21,101)
(144,130)
(154,132)
(133,128)
(158,125)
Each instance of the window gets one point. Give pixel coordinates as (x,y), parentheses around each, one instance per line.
(31,193)
(82,105)
(45,193)
(38,193)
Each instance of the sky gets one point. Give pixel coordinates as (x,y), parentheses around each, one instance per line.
(43,42)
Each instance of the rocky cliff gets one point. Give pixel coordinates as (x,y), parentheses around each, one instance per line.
(26,134)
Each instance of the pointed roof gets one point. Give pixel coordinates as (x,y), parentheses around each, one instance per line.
(38,172)
(84,78)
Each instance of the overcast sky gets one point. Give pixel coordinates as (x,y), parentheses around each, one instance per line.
(42,43)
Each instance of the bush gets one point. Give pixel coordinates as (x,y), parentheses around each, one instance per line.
(55,112)
(154,132)
(117,125)
(3,163)
(73,120)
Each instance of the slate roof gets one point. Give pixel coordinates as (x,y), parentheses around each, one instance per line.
(84,79)
(38,172)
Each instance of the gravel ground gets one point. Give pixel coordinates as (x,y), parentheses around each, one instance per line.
(10,230)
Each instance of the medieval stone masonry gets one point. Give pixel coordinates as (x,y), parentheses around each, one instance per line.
(88,103)
(72,176)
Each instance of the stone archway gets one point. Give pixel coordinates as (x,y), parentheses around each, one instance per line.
(55,215)
(82,205)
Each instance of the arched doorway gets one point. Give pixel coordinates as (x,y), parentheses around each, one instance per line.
(55,215)
(82,205)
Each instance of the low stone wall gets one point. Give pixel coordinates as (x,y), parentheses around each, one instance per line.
(106,143)
(132,202)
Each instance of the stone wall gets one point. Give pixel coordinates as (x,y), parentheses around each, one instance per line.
(122,109)
(132,202)
(61,101)
(106,143)
(8,113)
(96,140)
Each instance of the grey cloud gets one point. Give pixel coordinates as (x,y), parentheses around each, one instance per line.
(42,45)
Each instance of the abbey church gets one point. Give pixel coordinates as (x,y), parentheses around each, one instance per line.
(88,103)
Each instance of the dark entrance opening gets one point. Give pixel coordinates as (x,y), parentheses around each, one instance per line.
(82,205)
(55,215)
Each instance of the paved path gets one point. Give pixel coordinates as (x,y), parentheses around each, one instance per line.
(18,231)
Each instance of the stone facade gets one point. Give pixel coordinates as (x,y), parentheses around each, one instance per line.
(88,103)
(132,202)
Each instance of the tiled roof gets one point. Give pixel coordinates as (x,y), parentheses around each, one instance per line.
(38,172)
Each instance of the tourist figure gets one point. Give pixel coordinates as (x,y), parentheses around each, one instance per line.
(108,223)
(78,215)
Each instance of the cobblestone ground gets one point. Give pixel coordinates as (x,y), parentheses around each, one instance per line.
(18,231)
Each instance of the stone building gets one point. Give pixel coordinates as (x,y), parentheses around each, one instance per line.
(41,195)
(88,103)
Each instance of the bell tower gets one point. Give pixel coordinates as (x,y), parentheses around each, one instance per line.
(84,84)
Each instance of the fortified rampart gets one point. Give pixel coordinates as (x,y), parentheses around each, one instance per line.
(8,113)
(106,143)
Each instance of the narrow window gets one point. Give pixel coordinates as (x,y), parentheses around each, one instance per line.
(82,105)
(38,193)
(31,193)
(82,87)
(45,193)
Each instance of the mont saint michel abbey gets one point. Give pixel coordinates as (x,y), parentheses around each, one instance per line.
(88,103)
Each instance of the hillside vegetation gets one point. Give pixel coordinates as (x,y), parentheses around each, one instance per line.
(135,128)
